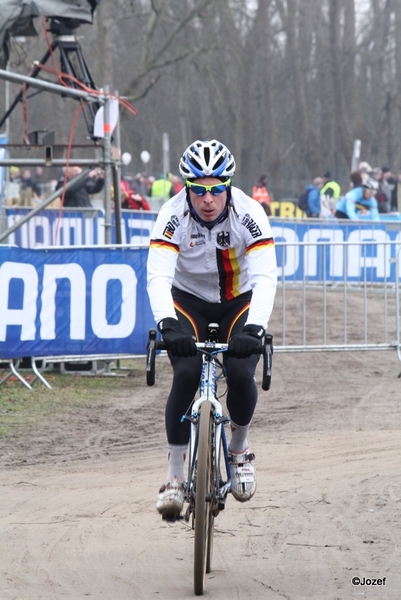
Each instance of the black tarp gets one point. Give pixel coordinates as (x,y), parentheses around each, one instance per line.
(16,17)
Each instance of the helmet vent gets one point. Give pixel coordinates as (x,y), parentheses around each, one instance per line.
(196,164)
(220,161)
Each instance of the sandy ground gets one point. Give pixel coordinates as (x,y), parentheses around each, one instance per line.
(77,499)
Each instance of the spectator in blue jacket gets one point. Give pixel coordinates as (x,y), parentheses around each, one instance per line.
(359,201)
(313,204)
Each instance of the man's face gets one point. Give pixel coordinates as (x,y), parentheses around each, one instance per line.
(208,207)
(73,171)
(368,194)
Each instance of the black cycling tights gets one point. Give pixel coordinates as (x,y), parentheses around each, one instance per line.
(195,315)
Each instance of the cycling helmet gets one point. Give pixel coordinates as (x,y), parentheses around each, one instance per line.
(208,158)
(370,184)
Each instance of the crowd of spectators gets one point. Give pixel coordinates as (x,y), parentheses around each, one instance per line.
(372,191)
(137,192)
(324,197)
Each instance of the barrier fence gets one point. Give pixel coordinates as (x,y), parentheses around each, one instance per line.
(348,297)
(338,291)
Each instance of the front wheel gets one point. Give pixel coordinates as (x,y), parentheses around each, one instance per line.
(203,516)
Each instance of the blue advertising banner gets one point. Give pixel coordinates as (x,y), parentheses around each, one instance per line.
(334,251)
(75,301)
(309,250)
(77,227)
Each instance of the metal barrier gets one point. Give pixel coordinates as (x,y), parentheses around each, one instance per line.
(338,296)
(332,296)
(13,365)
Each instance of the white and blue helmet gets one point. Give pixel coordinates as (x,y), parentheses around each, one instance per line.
(208,158)
(370,184)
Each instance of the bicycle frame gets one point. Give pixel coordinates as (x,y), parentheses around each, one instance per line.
(208,391)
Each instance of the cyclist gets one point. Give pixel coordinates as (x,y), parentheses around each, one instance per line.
(359,200)
(211,259)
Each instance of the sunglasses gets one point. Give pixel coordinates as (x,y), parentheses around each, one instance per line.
(215,190)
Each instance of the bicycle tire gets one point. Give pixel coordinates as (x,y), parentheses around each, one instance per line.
(209,550)
(202,497)
(215,479)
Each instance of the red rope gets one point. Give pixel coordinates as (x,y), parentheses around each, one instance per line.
(69,147)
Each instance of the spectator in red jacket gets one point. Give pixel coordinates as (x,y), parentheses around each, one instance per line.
(261,195)
(131,199)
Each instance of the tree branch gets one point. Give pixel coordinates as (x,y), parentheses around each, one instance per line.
(150,63)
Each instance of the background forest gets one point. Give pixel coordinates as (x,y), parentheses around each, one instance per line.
(287,85)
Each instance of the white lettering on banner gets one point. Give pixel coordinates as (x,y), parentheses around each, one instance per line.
(25,316)
(35,225)
(76,276)
(11,220)
(336,252)
(89,231)
(363,256)
(101,276)
(375,255)
(100,231)
(70,231)
(290,252)
(146,231)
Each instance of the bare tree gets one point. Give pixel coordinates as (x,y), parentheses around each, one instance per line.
(306,138)
(159,51)
(286,84)
(345,138)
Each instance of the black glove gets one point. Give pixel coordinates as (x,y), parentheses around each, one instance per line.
(178,341)
(243,345)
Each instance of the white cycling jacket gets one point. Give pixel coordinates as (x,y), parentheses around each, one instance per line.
(235,256)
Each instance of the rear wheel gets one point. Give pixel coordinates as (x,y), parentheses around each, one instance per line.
(203,516)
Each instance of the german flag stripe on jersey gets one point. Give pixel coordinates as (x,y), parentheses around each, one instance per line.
(260,244)
(228,267)
(164,244)
(187,316)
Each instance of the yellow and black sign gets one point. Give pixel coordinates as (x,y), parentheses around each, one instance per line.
(286,209)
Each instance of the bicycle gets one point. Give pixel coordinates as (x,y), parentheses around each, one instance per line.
(205,489)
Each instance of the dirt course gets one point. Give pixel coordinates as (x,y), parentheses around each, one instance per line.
(77,500)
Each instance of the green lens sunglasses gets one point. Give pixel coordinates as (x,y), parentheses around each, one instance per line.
(215,189)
